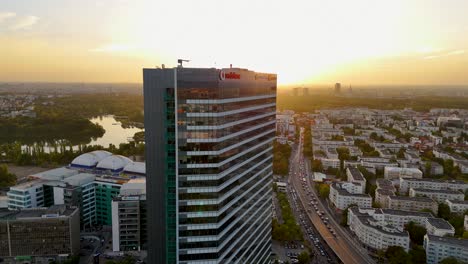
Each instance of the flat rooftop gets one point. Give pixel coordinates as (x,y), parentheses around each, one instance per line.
(355,173)
(447,191)
(448,241)
(440,223)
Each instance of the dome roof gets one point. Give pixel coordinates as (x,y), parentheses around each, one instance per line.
(136,167)
(90,159)
(114,163)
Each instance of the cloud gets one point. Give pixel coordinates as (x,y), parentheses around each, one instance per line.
(24,22)
(451,53)
(456,52)
(6,15)
(113,48)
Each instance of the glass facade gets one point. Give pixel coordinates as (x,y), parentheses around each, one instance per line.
(222,148)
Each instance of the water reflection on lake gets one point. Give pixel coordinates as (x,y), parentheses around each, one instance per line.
(115,133)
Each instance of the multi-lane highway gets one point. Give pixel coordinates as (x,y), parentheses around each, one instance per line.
(346,250)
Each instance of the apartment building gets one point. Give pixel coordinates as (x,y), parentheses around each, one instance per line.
(412,203)
(355,176)
(374,233)
(439,227)
(391,173)
(381,196)
(438,248)
(431,184)
(345,194)
(457,206)
(437,195)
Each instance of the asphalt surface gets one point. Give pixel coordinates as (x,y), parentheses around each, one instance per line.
(347,251)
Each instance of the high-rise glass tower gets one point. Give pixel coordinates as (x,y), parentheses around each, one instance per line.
(209,136)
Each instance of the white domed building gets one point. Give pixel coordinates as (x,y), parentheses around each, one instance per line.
(90,160)
(114,163)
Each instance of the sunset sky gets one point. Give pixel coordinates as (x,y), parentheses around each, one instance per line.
(311,41)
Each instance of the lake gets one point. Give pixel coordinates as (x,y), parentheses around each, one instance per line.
(115,133)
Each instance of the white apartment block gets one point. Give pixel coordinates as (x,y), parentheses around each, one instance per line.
(343,195)
(412,203)
(397,218)
(438,195)
(391,173)
(330,163)
(439,248)
(355,176)
(374,233)
(431,184)
(459,206)
(439,227)
(381,196)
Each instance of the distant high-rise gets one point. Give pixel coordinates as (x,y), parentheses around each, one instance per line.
(209,136)
(295,91)
(305,91)
(337,87)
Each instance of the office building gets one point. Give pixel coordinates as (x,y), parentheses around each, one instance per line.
(90,182)
(129,218)
(439,248)
(209,135)
(39,232)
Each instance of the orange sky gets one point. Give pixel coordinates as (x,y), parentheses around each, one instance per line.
(311,41)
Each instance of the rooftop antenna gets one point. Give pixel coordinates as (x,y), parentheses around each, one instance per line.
(181,61)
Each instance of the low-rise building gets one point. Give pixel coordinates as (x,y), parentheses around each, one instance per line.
(438,248)
(457,206)
(431,184)
(281,186)
(438,195)
(375,233)
(40,232)
(391,173)
(343,195)
(439,227)
(412,203)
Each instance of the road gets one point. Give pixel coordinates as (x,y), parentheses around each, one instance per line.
(347,251)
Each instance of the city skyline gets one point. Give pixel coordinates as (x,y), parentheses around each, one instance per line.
(391,42)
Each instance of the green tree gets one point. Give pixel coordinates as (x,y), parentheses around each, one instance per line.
(317,165)
(396,255)
(416,232)
(417,254)
(7,179)
(443,211)
(304,257)
(323,190)
(450,260)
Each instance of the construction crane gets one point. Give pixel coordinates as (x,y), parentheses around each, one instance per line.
(181,61)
